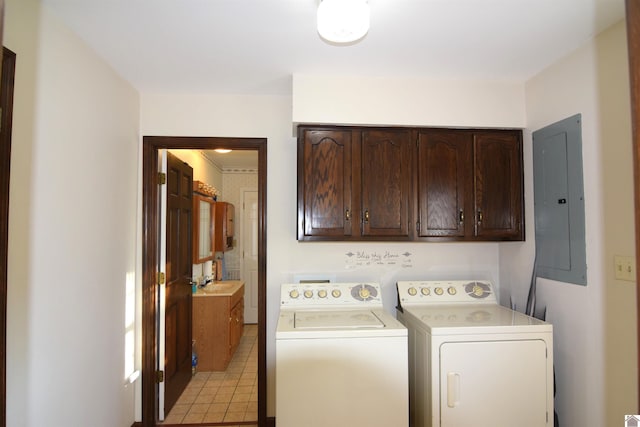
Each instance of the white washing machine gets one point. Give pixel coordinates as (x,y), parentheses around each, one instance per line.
(472,361)
(341,359)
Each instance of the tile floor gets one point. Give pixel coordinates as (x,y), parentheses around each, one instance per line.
(229,396)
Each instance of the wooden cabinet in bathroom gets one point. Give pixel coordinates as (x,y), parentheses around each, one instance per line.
(224,226)
(218,323)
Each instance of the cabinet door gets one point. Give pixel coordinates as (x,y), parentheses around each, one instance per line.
(444,184)
(224,213)
(231,210)
(498,185)
(236,327)
(386,182)
(324,183)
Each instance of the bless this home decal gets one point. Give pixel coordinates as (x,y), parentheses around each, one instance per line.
(359,259)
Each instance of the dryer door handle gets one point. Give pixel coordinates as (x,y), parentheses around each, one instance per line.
(453,389)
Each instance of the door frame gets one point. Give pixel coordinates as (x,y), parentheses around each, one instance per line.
(633,42)
(150,256)
(8,64)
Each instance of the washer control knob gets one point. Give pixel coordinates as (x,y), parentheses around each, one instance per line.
(336,293)
(308,293)
(294,294)
(412,291)
(439,291)
(322,293)
(478,291)
(425,291)
(364,293)
(451,290)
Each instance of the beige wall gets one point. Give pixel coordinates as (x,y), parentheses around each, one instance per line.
(72,228)
(594,326)
(407,101)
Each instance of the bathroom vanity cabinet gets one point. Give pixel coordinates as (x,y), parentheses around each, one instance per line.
(218,323)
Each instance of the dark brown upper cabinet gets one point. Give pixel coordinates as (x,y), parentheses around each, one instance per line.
(354,183)
(444,187)
(469,184)
(325,209)
(364,183)
(385,182)
(498,185)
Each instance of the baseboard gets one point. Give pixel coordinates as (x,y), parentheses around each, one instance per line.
(136,424)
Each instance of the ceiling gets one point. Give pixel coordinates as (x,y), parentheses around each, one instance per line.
(236,159)
(255,46)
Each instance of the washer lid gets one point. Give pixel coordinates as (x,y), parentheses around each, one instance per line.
(311,319)
(303,324)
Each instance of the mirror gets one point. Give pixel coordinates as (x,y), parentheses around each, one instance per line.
(203,228)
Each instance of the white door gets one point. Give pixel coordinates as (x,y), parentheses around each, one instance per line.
(495,383)
(249,260)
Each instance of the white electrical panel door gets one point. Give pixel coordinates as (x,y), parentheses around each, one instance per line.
(494,384)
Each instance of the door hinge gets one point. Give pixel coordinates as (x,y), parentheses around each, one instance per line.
(162,178)
(159,376)
(161,278)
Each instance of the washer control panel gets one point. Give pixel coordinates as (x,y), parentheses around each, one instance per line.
(445,292)
(310,295)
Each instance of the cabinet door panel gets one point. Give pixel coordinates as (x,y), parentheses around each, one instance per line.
(444,183)
(498,185)
(386,182)
(324,182)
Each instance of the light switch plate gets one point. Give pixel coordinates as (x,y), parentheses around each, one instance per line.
(625,268)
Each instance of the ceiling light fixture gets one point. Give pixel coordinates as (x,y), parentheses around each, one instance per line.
(343,21)
(222,150)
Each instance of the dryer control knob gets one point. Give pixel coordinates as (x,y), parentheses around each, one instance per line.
(439,291)
(322,293)
(364,293)
(294,294)
(425,291)
(336,293)
(308,294)
(412,291)
(451,290)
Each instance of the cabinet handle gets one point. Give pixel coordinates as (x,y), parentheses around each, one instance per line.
(479,216)
(347,215)
(461,216)
(366,216)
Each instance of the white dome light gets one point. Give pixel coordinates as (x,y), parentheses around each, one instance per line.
(343,21)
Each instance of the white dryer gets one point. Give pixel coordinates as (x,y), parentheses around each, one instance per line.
(341,359)
(472,361)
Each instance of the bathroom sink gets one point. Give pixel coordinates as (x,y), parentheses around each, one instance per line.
(220,288)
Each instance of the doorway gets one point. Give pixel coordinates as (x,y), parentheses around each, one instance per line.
(151,250)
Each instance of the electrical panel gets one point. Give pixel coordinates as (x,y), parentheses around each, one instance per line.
(559,202)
